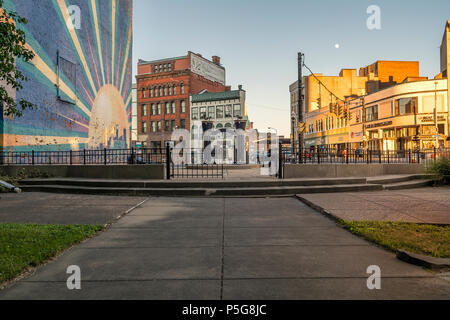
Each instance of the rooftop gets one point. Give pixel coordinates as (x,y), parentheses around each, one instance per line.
(216,96)
(141,62)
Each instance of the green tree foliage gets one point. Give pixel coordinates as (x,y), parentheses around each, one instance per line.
(12,47)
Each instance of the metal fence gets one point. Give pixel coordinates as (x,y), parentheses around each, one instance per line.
(85,157)
(355,156)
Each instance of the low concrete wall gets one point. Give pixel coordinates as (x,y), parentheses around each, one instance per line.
(148,172)
(292,171)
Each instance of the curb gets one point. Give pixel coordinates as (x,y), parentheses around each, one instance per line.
(318,208)
(435,264)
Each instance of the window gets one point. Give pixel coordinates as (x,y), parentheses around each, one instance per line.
(219,126)
(165,68)
(151,92)
(212,112)
(182,88)
(167,109)
(203,113)
(183,123)
(170,67)
(156,69)
(158,126)
(194,113)
(143,93)
(174,108)
(167,126)
(144,110)
(159,109)
(160,91)
(165,91)
(153,109)
(174,90)
(228,111)
(156,92)
(153,126)
(160,68)
(372,113)
(170,90)
(144,127)
(237,110)
(174,125)
(219,112)
(406,106)
(183,106)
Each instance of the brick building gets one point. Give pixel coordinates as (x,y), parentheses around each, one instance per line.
(164,87)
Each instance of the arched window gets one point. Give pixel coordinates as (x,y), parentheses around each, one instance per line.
(182,88)
(143,93)
(228,125)
(174,89)
(219,126)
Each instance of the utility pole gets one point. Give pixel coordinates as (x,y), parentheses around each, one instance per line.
(301,115)
(436,116)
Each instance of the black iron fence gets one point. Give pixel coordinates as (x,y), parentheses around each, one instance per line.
(355,156)
(85,157)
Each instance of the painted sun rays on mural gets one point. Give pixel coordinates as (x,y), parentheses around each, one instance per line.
(101,93)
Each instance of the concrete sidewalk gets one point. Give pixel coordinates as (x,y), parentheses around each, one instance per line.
(424,205)
(187,248)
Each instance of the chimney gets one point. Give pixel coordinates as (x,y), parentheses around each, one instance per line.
(216,60)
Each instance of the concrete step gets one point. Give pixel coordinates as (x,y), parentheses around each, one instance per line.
(408,185)
(174,184)
(396,178)
(202,192)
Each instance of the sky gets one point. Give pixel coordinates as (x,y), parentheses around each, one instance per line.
(258,41)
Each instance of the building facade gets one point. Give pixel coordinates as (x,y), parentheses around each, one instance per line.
(401,117)
(164,88)
(79,80)
(222,109)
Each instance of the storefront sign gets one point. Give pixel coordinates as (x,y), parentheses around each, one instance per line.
(380,124)
(431,118)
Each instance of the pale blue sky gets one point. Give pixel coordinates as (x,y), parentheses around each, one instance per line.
(258,40)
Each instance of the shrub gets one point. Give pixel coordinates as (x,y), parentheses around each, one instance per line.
(441,170)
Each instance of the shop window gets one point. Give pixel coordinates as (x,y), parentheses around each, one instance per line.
(183,123)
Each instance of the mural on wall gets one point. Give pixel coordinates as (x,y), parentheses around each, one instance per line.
(80,78)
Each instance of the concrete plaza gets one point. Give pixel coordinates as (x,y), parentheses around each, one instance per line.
(213,248)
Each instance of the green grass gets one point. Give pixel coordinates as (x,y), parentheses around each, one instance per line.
(428,240)
(26,246)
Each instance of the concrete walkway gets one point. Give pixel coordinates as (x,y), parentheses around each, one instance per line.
(185,248)
(424,205)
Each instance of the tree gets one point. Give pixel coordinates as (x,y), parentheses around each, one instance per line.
(12,47)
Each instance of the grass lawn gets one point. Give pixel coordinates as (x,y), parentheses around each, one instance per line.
(24,246)
(428,240)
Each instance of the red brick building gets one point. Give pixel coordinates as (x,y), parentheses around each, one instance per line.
(163,90)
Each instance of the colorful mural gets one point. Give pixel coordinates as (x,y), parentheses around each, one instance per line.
(80,79)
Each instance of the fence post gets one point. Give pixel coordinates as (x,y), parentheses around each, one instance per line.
(104,156)
(379,155)
(318,154)
(132,155)
(70,160)
(32,157)
(435,154)
(84,156)
(347,155)
(280,161)
(168,161)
